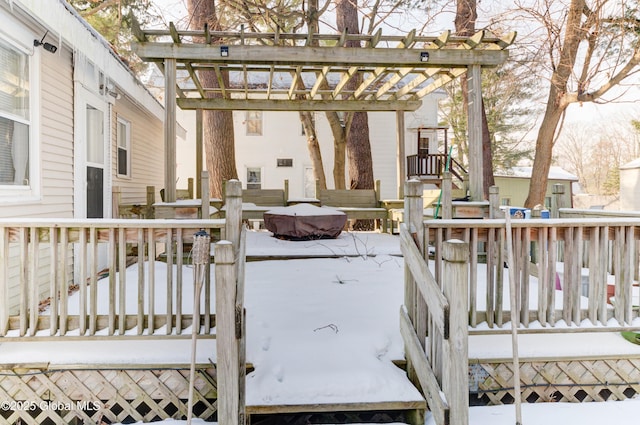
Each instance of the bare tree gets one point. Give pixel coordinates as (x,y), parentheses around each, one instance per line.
(595,152)
(218,125)
(592,47)
(357,131)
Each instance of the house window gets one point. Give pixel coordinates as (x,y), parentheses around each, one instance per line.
(423,146)
(254,178)
(15,117)
(505,201)
(254,123)
(123,136)
(284,162)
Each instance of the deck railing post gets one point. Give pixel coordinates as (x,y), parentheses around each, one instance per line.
(446,199)
(116,199)
(456,353)
(413,215)
(557,199)
(204,195)
(151,199)
(230,408)
(233,214)
(415,305)
(494,202)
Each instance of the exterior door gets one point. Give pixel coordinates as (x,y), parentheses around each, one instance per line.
(309,182)
(95,162)
(92,183)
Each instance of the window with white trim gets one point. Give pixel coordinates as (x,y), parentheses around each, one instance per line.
(123,138)
(254,178)
(253,121)
(15,117)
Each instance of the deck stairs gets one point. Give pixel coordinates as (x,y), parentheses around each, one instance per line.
(308,396)
(348,410)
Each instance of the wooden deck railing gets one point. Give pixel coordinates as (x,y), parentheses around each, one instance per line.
(70,278)
(570,272)
(437,364)
(566,270)
(433,165)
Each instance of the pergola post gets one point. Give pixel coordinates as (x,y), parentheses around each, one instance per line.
(170,130)
(474,84)
(400,153)
(199,150)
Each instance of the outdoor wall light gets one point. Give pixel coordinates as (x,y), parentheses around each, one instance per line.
(110,90)
(47,46)
(224,51)
(424,56)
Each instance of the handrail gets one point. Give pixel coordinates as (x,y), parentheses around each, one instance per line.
(568,270)
(50,291)
(433,165)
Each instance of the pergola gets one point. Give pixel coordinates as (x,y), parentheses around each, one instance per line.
(311,72)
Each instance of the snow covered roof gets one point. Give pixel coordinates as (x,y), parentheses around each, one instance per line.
(65,24)
(629,165)
(555,173)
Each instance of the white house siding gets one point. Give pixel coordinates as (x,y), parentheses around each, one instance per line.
(147,152)
(54,180)
(57,135)
(53,183)
(630,186)
(282,138)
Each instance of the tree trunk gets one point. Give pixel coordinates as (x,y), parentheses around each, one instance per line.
(544,151)
(339,149)
(465,23)
(218,137)
(359,153)
(306,118)
(556,105)
(358,143)
(314,148)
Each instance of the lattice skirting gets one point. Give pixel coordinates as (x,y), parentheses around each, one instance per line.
(559,380)
(106,395)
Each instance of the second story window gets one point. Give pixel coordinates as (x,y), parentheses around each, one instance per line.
(254,123)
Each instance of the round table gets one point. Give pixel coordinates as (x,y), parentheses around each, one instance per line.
(304,222)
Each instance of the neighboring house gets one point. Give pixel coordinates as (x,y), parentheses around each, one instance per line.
(630,186)
(271,147)
(74,119)
(514,186)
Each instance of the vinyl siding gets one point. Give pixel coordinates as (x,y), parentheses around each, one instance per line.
(55,142)
(147,152)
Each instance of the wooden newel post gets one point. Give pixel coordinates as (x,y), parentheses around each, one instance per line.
(204,195)
(494,202)
(116,199)
(557,199)
(230,409)
(151,199)
(413,207)
(456,353)
(446,199)
(233,215)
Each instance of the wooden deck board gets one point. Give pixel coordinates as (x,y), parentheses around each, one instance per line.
(336,407)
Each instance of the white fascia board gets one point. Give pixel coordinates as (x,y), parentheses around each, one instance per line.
(66,25)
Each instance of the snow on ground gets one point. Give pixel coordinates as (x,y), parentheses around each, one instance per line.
(320,330)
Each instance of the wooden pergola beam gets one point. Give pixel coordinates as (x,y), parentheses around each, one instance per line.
(319,56)
(297,105)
